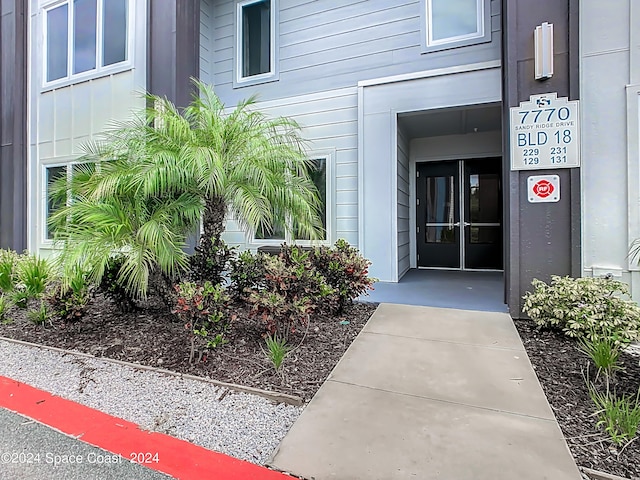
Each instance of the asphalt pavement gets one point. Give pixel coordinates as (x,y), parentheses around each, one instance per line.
(32,451)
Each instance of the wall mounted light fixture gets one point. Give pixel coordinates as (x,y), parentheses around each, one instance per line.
(543,40)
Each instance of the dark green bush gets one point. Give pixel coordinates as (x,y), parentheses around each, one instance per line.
(20,297)
(34,274)
(41,315)
(8,263)
(202,308)
(592,307)
(210,264)
(112,288)
(247,273)
(70,297)
(5,305)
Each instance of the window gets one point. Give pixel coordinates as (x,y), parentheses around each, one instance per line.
(255,49)
(318,174)
(53,204)
(85,36)
(52,175)
(452,23)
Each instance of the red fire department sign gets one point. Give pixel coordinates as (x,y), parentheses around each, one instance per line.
(543,188)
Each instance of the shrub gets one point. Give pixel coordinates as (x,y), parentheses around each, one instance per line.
(619,416)
(210,263)
(202,308)
(593,307)
(345,270)
(39,316)
(293,290)
(8,263)
(247,272)
(34,273)
(277,350)
(20,297)
(604,352)
(112,287)
(70,297)
(5,304)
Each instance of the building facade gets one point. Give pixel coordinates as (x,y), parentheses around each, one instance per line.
(405,105)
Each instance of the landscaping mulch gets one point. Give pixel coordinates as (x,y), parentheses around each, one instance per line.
(154,337)
(562,369)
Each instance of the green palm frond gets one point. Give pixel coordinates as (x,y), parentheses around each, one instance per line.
(155,173)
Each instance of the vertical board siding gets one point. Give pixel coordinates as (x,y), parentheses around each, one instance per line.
(329,124)
(13,124)
(328,44)
(63,119)
(403,204)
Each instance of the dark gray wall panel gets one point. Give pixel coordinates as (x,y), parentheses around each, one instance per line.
(541,239)
(173,48)
(173,52)
(13,125)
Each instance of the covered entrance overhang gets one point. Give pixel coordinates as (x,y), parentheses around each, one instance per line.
(449,117)
(454,165)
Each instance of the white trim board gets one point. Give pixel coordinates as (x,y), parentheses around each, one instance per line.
(431,73)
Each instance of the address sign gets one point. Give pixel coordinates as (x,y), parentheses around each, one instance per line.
(545,133)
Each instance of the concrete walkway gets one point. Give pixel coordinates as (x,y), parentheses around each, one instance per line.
(430,393)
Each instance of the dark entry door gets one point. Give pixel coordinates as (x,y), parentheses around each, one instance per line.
(448,192)
(438,214)
(482,214)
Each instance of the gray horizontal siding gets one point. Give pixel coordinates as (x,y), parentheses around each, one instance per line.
(403,204)
(329,44)
(206,41)
(329,124)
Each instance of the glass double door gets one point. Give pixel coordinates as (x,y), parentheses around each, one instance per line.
(459,214)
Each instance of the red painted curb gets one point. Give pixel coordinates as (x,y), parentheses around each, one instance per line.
(182,460)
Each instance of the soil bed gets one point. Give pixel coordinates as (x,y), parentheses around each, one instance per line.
(156,338)
(561,369)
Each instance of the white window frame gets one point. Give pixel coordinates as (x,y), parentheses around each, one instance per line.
(482,34)
(100,70)
(329,158)
(44,218)
(273,73)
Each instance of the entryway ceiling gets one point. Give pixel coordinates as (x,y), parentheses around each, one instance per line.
(451,121)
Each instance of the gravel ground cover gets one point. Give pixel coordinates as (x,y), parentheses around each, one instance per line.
(560,367)
(244,426)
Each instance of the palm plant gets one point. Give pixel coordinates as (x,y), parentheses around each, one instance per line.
(634,251)
(107,216)
(241,162)
(163,171)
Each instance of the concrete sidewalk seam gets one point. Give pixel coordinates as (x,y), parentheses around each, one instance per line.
(449,402)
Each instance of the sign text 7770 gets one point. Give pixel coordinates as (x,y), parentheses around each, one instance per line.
(545,133)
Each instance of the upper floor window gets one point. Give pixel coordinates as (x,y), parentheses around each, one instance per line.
(451,23)
(84,36)
(256,38)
